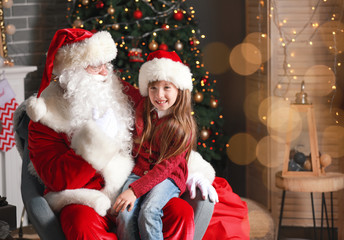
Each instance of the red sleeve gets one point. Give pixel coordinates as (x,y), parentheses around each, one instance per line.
(56,163)
(132,92)
(159,173)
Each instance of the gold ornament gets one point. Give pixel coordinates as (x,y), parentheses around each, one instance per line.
(111,10)
(213,103)
(307,165)
(178,45)
(204,134)
(77,23)
(85,2)
(153,45)
(7,3)
(116,26)
(325,160)
(10,29)
(198,97)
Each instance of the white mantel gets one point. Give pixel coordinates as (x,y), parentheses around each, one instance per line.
(10,167)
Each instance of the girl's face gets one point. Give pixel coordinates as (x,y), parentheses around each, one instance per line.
(162,94)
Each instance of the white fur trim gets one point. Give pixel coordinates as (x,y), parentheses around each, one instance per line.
(89,197)
(115,174)
(164,69)
(50,109)
(96,50)
(36,108)
(93,145)
(197,164)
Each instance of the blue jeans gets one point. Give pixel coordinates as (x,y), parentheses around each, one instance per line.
(145,218)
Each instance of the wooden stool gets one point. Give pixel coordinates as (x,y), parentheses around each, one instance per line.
(330,182)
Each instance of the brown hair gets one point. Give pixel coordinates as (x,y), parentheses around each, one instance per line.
(178,133)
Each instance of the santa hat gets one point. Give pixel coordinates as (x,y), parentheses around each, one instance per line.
(75,47)
(163,65)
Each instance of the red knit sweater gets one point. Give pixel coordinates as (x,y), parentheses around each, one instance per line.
(151,173)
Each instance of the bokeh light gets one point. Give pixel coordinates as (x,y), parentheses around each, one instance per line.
(319,80)
(251,104)
(215,57)
(242,148)
(270,153)
(261,41)
(268,105)
(332,141)
(284,124)
(245,59)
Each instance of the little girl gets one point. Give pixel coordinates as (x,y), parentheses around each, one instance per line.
(165,134)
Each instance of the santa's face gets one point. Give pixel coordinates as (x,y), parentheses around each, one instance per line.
(99,72)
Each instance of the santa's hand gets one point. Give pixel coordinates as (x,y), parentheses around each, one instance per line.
(107,122)
(197,180)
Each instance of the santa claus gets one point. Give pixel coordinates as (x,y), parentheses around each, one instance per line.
(80,137)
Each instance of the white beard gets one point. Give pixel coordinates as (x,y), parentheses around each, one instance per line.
(85,92)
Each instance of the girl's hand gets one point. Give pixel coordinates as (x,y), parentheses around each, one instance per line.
(125,199)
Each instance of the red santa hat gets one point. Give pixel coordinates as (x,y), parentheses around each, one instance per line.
(163,65)
(74,47)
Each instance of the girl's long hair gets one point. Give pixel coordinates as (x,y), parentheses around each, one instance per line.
(177,134)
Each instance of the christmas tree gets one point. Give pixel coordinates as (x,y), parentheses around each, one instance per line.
(142,26)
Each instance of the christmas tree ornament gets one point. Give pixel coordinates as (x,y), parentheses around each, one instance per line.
(165,26)
(178,15)
(178,45)
(213,103)
(299,158)
(135,55)
(153,46)
(7,3)
(198,97)
(163,46)
(85,2)
(325,160)
(204,134)
(111,10)
(193,41)
(99,5)
(307,165)
(10,29)
(137,14)
(115,26)
(77,23)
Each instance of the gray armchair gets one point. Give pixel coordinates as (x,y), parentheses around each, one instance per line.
(43,219)
(45,222)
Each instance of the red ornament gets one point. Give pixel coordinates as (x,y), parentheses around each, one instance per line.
(178,15)
(135,55)
(93,30)
(137,14)
(165,26)
(191,42)
(163,46)
(99,4)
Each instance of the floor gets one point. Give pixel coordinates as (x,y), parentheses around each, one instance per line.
(28,233)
